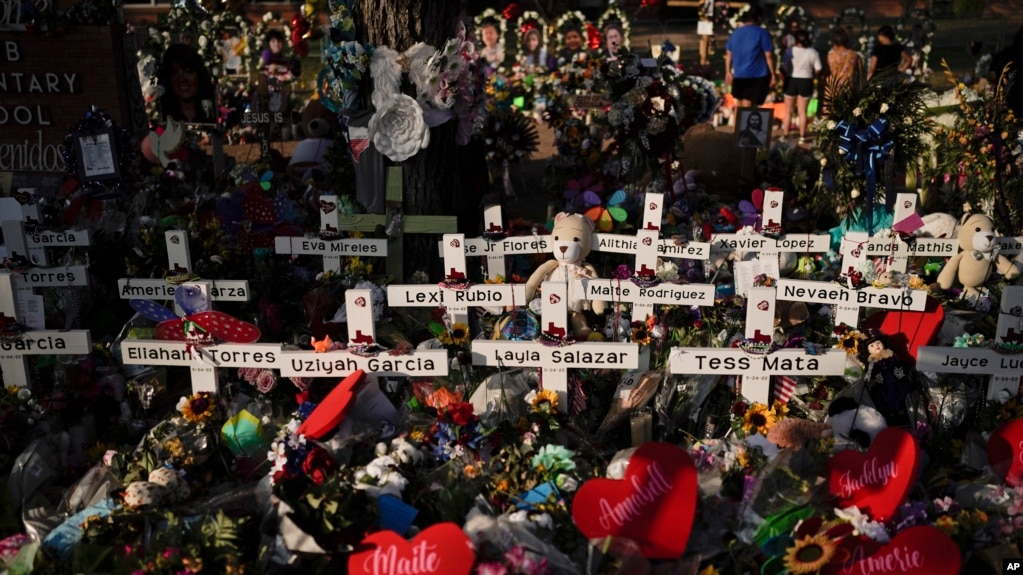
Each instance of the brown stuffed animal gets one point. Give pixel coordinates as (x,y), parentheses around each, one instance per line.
(571,241)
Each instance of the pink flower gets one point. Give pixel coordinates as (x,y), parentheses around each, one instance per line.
(265,381)
(249,374)
(491,569)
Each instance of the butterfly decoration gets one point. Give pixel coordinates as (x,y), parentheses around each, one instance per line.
(582,193)
(605,216)
(752,209)
(199,325)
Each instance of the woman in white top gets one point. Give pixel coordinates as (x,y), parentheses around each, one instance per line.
(805,64)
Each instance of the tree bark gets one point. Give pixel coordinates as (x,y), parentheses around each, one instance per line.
(443,179)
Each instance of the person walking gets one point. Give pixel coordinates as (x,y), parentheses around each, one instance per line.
(888,53)
(806,63)
(749,61)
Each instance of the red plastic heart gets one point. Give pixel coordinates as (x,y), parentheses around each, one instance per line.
(919,550)
(442,548)
(1005,452)
(652,505)
(909,329)
(329,413)
(879,480)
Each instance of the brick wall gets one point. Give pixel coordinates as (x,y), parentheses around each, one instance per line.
(91,55)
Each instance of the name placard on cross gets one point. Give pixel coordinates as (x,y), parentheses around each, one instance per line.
(1006,370)
(847,302)
(14,348)
(180,263)
(896,249)
(666,248)
(328,244)
(756,367)
(553,359)
(456,293)
(495,246)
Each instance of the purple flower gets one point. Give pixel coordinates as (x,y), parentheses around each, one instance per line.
(910,514)
(622,272)
(305,409)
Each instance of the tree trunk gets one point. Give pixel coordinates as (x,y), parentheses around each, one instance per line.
(443,179)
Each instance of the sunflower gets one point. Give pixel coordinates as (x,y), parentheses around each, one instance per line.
(457,335)
(198,408)
(850,342)
(758,418)
(545,400)
(641,335)
(809,554)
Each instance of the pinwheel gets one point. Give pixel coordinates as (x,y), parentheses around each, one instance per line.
(605,216)
(752,209)
(199,326)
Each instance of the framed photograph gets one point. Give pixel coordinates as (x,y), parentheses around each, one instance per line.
(97,155)
(753,127)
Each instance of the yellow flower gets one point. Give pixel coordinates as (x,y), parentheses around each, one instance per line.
(946,524)
(457,335)
(758,419)
(916,282)
(198,408)
(545,400)
(641,335)
(850,342)
(470,471)
(498,280)
(810,554)
(709,570)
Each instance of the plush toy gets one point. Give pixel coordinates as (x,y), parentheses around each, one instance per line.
(972,266)
(571,241)
(853,424)
(310,154)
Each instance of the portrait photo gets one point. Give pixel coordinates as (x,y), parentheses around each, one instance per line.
(753,127)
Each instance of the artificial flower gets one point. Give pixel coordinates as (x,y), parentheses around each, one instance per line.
(399,130)
(850,342)
(545,400)
(458,335)
(759,419)
(809,554)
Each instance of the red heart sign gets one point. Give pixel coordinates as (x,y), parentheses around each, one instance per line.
(442,548)
(653,206)
(763,306)
(327,207)
(455,243)
(652,505)
(360,301)
(175,239)
(879,480)
(648,241)
(774,204)
(919,550)
(329,413)
(1005,452)
(554,298)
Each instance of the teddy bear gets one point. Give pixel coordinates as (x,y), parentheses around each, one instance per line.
(977,257)
(571,241)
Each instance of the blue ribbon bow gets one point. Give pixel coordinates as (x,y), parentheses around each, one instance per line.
(867,149)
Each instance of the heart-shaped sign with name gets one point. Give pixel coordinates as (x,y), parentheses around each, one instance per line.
(879,480)
(919,550)
(652,505)
(1005,452)
(442,549)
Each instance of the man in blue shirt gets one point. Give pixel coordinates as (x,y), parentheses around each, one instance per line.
(749,61)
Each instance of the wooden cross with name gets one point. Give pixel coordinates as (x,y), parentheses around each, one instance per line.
(753,360)
(495,246)
(554,354)
(1005,369)
(898,247)
(456,293)
(645,290)
(180,264)
(360,353)
(19,214)
(16,345)
(328,244)
(395,217)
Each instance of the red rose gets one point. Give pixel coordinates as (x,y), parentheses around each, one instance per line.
(459,413)
(319,465)
(739,409)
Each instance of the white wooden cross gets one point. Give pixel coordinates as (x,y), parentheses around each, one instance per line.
(180,262)
(459,295)
(14,350)
(15,211)
(205,361)
(1006,370)
(756,368)
(555,361)
(767,248)
(327,245)
(496,247)
(897,251)
(647,246)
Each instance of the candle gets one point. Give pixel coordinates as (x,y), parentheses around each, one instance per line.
(642,424)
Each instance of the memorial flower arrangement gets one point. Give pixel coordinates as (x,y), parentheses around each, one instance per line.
(979,157)
(347,63)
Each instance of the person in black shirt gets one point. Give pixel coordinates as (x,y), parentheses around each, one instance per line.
(1011,57)
(888,53)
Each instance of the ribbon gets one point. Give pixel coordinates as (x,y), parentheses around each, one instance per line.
(866,149)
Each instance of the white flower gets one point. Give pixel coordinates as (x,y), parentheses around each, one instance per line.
(863,525)
(824,162)
(658,103)
(667,271)
(24,393)
(926,49)
(398,130)
(831,124)
(884,107)
(854,193)
(857,111)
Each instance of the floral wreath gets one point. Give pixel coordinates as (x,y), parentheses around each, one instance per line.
(737,17)
(346,64)
(531,20)
(490,16)
(615,15)
(173,27)
(574,20)
(786,14)
(863,30)
(922,52)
